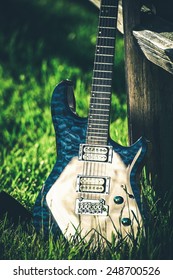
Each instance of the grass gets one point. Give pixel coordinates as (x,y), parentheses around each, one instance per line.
(43,43)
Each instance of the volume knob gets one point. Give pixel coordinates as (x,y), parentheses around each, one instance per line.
(118,199)
(126,222)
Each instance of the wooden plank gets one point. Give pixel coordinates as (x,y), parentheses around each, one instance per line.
(156,42)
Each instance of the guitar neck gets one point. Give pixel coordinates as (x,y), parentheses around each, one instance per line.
(100,98)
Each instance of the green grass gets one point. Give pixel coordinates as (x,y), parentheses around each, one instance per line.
(44,43)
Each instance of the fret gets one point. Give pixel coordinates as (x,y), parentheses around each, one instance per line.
(102,71)
(101,98)
(101,92)
(101,85)
(105,55)
(105,63)
(101,120)
(106,37)
(97,109)
(100,115)
(103,46)
(100,108)
(106,27)
(109,6)
(104,129)
(98,126)
(96,137)
(108,17)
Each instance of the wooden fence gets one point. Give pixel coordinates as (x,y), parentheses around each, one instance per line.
(148,37)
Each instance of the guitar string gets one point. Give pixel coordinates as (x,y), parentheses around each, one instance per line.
(95,168)
(93,165)
(104,33)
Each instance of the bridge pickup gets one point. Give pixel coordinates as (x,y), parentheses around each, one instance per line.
(93,184)
(91,207)
(96,153)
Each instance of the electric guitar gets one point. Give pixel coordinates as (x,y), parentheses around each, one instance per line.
(92,189)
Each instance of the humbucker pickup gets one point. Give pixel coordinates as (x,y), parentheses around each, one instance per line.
(93,184)
(91,207)
(97,153)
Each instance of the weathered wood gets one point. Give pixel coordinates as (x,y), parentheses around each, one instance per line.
(150,101)
(155,36)
(156,41)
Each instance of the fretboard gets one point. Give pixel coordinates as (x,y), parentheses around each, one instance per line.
(100,98)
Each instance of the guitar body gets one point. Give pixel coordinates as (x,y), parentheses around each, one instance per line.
(55,207)
(92,189)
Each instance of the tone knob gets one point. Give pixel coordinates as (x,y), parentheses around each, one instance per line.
(118,199)
(126,222)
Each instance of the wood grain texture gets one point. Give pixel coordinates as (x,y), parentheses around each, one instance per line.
(155,38)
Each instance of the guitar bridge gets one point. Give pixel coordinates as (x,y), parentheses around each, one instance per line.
(91,207)
(93,184)
(97,153)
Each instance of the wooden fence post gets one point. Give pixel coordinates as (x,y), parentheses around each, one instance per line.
(150,102)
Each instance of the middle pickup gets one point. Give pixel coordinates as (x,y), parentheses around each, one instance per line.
(93,184)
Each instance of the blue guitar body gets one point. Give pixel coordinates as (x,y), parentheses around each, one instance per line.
(70,132)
